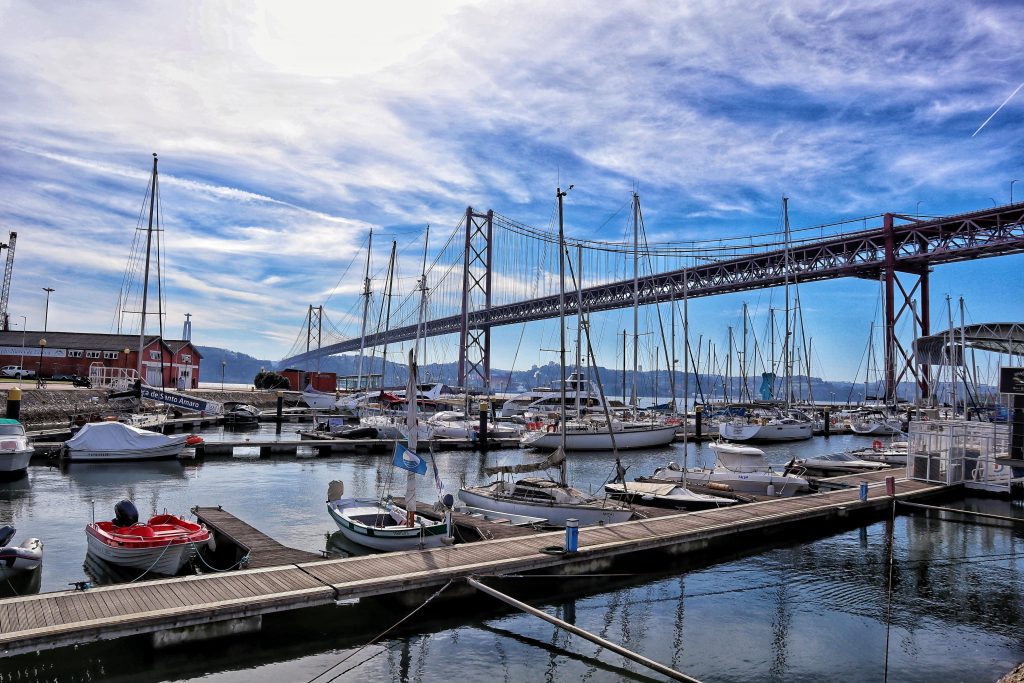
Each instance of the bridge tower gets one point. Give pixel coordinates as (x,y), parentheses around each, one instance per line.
(314,327)
(475,342)
(913,302)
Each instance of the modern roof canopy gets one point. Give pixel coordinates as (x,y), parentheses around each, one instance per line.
(946,349)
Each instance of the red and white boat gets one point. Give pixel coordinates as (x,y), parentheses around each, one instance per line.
(160,546)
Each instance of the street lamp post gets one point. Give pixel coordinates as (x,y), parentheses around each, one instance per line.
(46,311)
(39,370)
(24,323)
(223,365)
(918,210)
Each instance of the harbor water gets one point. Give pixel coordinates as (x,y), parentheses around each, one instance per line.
(808,608)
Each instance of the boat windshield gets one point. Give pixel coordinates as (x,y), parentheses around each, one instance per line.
(12,430)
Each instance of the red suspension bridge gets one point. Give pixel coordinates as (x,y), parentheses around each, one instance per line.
(494,271)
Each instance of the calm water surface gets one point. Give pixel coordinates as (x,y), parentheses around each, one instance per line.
(810,609)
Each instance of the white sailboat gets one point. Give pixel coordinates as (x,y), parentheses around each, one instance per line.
(382,524)
(587,433)
(555,501)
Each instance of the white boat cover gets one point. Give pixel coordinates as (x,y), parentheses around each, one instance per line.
(115,436)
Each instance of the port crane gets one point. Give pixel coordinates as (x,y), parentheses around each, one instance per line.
(5,292)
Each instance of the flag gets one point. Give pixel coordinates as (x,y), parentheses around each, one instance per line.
(408,460)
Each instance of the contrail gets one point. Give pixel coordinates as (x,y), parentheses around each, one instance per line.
(998,108)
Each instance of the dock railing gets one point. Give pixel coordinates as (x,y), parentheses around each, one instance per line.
(961,451)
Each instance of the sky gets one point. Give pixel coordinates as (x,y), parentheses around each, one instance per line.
(287,130)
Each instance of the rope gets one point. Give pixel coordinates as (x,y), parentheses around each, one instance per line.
(888,600)
(376,638)
(160,557)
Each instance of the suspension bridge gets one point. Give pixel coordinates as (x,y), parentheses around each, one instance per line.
(493,271)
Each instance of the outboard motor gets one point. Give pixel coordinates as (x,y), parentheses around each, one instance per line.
(6,534)
(125,514)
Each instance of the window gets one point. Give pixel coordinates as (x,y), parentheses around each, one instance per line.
(186,358)
(154,355)
(74,354)
(111,355)
(92,354)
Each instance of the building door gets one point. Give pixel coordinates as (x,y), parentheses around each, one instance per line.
(153,377)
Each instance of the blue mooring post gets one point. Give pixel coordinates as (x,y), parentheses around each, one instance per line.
(863,492)
(572,535)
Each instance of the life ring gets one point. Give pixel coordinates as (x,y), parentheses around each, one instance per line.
(552,428)
(876,445)
(193,440)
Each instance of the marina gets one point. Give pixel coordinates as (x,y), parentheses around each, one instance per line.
(37,622)
(340,349)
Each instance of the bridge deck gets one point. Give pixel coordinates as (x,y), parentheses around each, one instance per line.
(71,617)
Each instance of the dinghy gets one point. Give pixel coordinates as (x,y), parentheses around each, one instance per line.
(160,546)
(15,560)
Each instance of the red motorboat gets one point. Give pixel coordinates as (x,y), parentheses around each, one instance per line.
(160,546)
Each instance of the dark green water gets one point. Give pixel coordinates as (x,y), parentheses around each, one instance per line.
(803,609)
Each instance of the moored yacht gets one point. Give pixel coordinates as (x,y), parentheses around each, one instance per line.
(741,468)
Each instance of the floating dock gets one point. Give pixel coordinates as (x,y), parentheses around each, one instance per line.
(212,603)
(259,549)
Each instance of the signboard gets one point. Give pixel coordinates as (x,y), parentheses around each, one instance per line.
(1011,381)
(32,351)
(178,400)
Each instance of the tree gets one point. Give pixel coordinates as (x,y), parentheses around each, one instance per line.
(270,380)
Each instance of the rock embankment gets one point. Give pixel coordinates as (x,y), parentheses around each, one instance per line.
(59,406)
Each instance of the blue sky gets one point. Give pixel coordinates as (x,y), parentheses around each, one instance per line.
(287,130)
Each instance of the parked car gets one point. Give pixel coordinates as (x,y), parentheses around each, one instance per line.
(16,371)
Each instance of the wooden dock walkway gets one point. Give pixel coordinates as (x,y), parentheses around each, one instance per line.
(67,618)
(263,551)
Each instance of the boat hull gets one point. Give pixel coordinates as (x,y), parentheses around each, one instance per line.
(165,560)
(556,515)
(739,431)
(625,439)
(390,538)
(14,461)
(18,559)
(172,450)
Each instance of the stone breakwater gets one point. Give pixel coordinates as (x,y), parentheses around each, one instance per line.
(41,408)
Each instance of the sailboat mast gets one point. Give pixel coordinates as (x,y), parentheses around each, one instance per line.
(562,470)
(412,394)
(579,322)
(145,276)
(636,296)
(745,393)
(867,370)
(421,323)
(788,382)
(366,313)
(672,368)
(686,368)
(387,312)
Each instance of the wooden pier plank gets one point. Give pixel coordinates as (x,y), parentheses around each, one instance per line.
(54,619)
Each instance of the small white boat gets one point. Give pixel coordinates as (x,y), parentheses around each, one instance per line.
(454,424)
(15,448)
(15,560)
(764,422)
(876,423)
(742,469)
(893,453)
(536,497)
(109,441)
(318,400)
(383,526)
(834,464)
(594,435)
(160,546)
(665,495)
(240,414)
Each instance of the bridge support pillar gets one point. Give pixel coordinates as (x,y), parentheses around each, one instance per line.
(900,363)
(475,343)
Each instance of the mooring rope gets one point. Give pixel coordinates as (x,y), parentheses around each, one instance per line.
(375,639)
